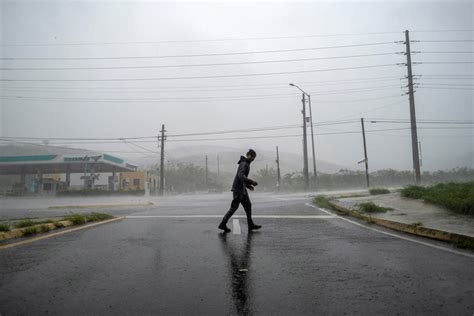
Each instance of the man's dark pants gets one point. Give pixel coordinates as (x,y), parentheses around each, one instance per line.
(245,201)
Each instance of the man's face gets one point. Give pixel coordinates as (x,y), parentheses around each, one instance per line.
(251,158)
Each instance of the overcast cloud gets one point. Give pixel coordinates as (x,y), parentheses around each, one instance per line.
(138,107)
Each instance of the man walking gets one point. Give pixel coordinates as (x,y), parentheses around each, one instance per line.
(240,195)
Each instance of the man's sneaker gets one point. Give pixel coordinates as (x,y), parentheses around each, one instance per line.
(254,227)
(224,228)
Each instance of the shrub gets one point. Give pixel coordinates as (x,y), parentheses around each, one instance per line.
(30,230)
(77,219)
(458,197)
(413,192)
(376,191)
(25,223)
(97,217)
(58,224)
(322,201)
(45,228)
(4,227)
(370,207)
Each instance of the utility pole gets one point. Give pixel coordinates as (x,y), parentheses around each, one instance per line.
(365,153)
(305,144)
(278,170)
(207,178)
(414,135)
(312,139)
(162,160)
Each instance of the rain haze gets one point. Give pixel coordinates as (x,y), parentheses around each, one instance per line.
(236,157)
(156,57)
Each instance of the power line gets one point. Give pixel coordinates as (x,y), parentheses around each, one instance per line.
(373,109)
(141,147)
(157,90)
(443,88)
(446,52)
(202,77)
(218,87)
(196,65)
(444,41)
(442,31)
(237,97)
(200,55)
(121,140)
(225,39)
(201,99)
(446,62)
(451,84)
(196,40)
(290,135)
(197,100)
(447,75)
(124,139)
(402,121)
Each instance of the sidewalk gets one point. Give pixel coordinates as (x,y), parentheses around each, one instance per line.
(409,211)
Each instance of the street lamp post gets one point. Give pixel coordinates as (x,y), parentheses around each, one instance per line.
(312,131)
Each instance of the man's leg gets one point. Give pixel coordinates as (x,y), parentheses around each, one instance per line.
(234,205)
(248,211)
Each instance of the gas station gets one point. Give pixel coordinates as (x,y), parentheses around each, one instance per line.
(31,168)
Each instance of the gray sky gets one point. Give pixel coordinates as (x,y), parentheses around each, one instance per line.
(138,107)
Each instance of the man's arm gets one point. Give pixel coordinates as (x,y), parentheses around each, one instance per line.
(241,174)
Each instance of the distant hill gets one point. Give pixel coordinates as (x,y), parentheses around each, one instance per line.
(228,157)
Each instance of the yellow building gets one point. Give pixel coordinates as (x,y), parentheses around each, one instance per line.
(139,180)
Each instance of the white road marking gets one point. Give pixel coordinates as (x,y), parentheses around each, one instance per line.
(279,198)
(235,216)
(61,232)
(395,235)
(236,227)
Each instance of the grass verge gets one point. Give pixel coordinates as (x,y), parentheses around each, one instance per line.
(4,227)
(30,230)
(322,201)
(79,219)
(371,207)
(29,227)
(457,197)
(29,222)
(377,191)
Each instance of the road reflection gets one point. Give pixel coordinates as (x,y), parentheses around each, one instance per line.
(239,270)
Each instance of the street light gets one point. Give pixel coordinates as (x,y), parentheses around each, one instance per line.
(312,132)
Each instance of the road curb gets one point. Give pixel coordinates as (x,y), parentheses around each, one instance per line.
(458,240)
(18,232)
(99,206)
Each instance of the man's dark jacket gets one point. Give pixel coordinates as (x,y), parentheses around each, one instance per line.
(241,180)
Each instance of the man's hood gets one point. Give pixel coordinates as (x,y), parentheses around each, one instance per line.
(242,158)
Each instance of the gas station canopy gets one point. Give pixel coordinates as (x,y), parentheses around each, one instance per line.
(16,159)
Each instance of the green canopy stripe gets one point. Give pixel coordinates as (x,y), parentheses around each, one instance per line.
(113,159)
(27,158)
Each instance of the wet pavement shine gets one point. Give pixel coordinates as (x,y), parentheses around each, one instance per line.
(170,259)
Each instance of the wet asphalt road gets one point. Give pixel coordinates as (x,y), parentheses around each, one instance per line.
(183,265)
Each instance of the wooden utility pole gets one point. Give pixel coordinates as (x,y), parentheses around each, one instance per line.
(365,153)
(207,171)
(305,145)
(414,135)
(312,141)
(162,160)
(278,170)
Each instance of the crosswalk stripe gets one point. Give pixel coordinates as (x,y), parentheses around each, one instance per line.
(235,216)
